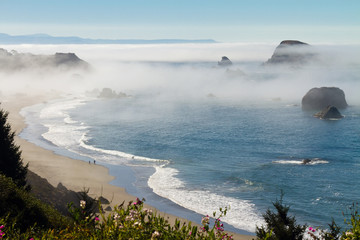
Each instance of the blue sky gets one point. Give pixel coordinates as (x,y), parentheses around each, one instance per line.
(222,20)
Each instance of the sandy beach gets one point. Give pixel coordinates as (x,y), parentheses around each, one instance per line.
(73,174)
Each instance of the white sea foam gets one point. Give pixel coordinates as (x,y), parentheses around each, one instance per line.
(67,133)
(63,131)
(313,161)
(242,213)
(125,157)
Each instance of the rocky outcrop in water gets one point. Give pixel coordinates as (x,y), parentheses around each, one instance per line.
(109,93)
(291,52)
(13,61)
(225,61)
(329,112)
(317,99)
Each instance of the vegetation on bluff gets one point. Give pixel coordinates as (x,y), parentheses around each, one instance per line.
(11,164)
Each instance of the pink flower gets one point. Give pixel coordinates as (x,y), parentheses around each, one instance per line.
(312,229)
(2,226)
(97,219)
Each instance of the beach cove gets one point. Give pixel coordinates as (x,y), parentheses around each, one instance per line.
(73,174)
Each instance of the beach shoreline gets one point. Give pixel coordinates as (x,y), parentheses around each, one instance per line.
(76,175)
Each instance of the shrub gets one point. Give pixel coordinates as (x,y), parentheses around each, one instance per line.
(353,232)
(19,207)
(131,221)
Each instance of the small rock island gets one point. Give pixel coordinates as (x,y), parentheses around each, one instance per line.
(317,99)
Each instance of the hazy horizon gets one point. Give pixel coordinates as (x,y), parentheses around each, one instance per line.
(321,21)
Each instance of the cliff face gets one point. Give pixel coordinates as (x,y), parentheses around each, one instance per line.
(291,52)
(12,61)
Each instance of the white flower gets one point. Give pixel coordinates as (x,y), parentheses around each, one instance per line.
(82,204)
(116,216)
(155,235)
(148,211)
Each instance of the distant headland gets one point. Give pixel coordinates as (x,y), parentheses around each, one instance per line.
(47,39)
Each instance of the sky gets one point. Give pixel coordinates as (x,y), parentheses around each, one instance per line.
(322,21)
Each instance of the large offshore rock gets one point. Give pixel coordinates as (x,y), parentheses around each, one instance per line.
(291,52)
(319,98)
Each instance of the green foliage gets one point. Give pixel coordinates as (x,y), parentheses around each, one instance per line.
(11,164)
(86,212)
(353,232)
(279,226)
(22,210)
(333,233)
(131,221)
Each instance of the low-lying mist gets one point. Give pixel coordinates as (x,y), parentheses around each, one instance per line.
(183,72)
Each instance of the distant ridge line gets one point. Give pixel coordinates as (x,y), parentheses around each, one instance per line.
(47,39)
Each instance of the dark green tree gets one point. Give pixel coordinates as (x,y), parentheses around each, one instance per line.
(11,163)
(280,226)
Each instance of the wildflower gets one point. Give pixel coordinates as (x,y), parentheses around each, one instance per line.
(312,229)
(116,216)
(97,219)
(205,220)
(155,234)
(82,204)
(1,232)
(137,224)
(129,218)
(147,211)
(138,201)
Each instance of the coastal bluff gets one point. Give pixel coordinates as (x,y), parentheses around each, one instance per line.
(11,61)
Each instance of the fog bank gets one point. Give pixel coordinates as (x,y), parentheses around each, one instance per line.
(182,72)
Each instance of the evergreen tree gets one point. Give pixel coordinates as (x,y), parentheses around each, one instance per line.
(11,164)
(279,226)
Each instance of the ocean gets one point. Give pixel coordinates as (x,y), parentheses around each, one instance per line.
(192,137)
(208,154)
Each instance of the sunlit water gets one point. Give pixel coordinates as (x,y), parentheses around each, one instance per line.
(207,154)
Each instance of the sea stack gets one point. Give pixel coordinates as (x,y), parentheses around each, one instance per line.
(225,61)
(330,112)
(317,99)
(291,52)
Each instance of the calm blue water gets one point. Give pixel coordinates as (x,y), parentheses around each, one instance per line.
(207,154)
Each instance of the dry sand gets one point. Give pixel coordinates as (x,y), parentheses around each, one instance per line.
(73,174)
